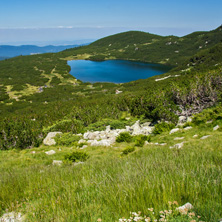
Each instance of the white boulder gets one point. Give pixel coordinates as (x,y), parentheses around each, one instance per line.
(12,217)
(177,146)
(174,130)
(204,137)
(57,162)
(188,128)
(51,152)
(216,128)
(49,140)
(183,209)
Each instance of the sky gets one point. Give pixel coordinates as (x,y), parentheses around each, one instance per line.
(72,21)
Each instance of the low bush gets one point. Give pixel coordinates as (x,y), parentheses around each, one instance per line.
(128,150)
(124,137)
(76,156)
(114,124)
(163,127)
(140,140)
(67,125)
(207,115)
(67,139)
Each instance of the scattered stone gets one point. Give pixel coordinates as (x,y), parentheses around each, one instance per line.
(162,144)
(82,141)
(57,162)
(182,119)
(195,136)
(33,152)
(77,163)
(12,217)
(189,119)
(136,128)
(210,121)
(188,128)
(118,92)
(178,138)
(49,140)
(177,146)
(83,147)
(183,209)
(216,128)
(51,152)
(174,130)
(60,149)
(204,137)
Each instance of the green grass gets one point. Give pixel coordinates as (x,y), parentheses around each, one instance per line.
(110,186)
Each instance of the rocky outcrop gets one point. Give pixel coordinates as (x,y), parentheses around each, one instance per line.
(12,217)
(108,136)
(51,152)
(49,140)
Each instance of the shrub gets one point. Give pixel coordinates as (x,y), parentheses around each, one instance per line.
(140,140)
(163,127)
(67,125)
(128,150)
(124,137)
(20,134)
(76,156)
(114,124)
(67,139)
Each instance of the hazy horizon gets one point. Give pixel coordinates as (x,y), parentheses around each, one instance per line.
(59,22)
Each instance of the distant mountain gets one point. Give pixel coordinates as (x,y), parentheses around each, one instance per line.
(3,58)
(11,51)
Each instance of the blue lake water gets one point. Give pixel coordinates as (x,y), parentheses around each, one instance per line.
(116,71)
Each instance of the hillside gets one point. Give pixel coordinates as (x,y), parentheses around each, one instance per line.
(95,173)
(146,47)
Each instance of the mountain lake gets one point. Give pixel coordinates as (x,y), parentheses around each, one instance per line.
(116,71)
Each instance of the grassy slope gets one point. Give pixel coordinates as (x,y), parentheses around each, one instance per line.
(150,177)
(147,47)
(109,185)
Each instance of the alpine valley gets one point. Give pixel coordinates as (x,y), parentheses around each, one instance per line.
(80,151)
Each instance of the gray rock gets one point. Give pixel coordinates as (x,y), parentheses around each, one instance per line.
(57,162)
(136,128)
(83,147)
(100,143)
(188,128)
(195,136)
(82,141)
(183,209)
(204,137)
(77,163)
(210,121)
(177,146)
(51,152)
(189,119)
(174,130)
(108,129)
(49,140)
(178,138)
(216,128)
(182,119)
(12,217)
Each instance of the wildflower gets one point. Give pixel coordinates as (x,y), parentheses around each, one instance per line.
(150,209)
(193,221)
(161,212)
(99,220)
(170,203)
(191,214)
(175,202)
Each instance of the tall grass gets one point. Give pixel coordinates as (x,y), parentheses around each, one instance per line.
(109,186)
